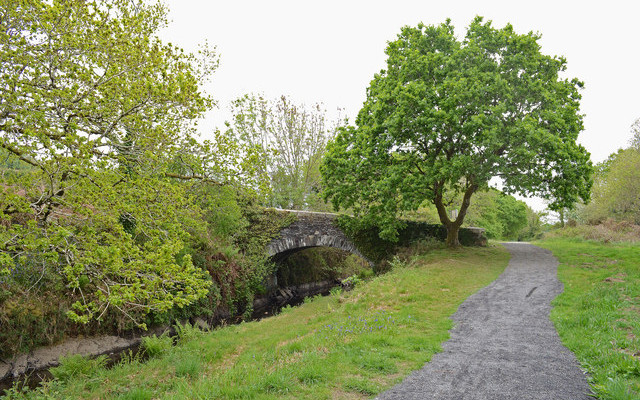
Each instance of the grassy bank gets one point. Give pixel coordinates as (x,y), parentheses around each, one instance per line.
(598,315)
(348,345)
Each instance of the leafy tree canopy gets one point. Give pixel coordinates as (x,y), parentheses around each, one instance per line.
(103,113)
(448,115)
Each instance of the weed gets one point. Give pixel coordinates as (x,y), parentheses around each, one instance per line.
(286,309)
(363,386)
(76,366)
(616,389)
(397,263)
(279,382)
(335,291)
(131,357)
(187,332)
(155,346)
(312,374)
(376,363)
(351,281)
(311,299)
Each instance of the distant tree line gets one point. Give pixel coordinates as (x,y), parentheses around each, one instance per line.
(616,189)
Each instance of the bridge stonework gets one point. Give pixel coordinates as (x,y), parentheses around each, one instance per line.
(311,229)
(315,229)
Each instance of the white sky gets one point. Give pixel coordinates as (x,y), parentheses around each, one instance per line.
(327,51)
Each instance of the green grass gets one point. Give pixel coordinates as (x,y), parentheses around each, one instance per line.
(349,345)
(598,315)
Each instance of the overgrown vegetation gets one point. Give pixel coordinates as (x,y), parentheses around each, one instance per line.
(597,315)
(348,345)
(113,214)
(105,126)
(230,250)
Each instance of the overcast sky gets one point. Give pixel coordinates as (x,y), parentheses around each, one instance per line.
(327,51)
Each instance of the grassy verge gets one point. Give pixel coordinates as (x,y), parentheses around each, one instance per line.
(598,315)
(349,345)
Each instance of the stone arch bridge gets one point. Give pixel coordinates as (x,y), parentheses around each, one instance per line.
(311,229)
(315,229)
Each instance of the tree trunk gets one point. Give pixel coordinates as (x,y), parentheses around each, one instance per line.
(452,235)
(453,227)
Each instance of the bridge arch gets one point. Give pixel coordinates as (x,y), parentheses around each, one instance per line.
(311,229)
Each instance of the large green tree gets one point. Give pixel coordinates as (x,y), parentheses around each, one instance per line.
(103,114)
(449,115)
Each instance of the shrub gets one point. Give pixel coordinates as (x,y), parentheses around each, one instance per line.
(136,394)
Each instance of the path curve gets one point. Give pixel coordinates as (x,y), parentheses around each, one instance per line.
(503,345)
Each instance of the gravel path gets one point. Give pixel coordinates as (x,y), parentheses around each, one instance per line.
(503,345)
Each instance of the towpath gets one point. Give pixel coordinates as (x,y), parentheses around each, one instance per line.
(503,345)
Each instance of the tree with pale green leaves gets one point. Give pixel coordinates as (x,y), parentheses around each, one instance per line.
(448,115)
(103,113)
(291,139)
